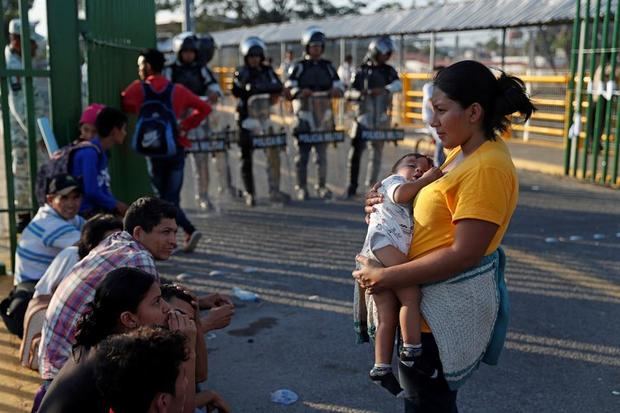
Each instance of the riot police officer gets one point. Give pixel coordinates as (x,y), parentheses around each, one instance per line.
(307,76)
(18,121)
(254,78)
(190,69)
(373,79)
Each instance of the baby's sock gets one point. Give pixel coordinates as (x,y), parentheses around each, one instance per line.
(409,353)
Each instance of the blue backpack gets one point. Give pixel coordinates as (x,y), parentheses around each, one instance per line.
(156,130)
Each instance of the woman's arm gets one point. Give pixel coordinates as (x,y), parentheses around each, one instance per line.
(472,238)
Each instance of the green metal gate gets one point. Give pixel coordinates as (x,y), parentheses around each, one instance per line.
(114,31)
(592,142)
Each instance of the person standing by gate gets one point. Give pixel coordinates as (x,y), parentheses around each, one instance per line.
(251,79)
(310,75)
(166,173)
(18,123)
(374,80)
(190,70)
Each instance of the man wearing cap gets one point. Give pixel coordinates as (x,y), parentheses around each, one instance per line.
(17,106)
(56,226)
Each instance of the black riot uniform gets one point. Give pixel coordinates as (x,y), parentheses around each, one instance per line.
(318,75)
(249,81)
(371,75)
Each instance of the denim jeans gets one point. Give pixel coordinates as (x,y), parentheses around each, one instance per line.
(167,180)
(424,394)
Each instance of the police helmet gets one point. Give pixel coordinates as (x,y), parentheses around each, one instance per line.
(313,35)
(15,28)
(382,45)
(206,48)
(253,46)
(185,41)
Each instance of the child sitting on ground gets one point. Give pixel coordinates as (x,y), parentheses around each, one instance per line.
(389,235)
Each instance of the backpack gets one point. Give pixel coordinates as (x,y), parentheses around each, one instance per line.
(57,164)
(156,129)
(33,324)
(13,307)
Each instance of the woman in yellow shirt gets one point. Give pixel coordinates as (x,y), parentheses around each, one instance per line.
(462,217)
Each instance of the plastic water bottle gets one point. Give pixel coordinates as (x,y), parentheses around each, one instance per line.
(284,396)
(244,295)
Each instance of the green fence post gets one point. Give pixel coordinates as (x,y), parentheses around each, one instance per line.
(65,79)
(598,116)
(8,156)
(594,45)
(571,87)
(609,108)
(581,75)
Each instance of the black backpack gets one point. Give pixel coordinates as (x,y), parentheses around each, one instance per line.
(13,308)
(59,163)
(156,129)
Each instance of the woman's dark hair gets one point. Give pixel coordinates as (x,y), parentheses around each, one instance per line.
(121,290)
(154,58)
(415,155)
(93,231)
(469,82)
(147,212)
(108,119)
(131,369)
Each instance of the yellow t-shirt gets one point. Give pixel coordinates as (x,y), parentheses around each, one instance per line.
(484,186)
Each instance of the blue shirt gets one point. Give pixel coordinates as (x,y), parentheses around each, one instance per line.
(45,236)
(92,166)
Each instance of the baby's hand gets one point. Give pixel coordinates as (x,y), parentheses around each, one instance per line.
(432,174)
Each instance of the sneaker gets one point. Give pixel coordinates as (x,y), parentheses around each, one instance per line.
(279,197)
(205,204)
(412,358)
(191,242)
(249,199)
(323,193)
(301,194)
(384,377)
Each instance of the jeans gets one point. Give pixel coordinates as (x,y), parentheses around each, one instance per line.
(422,393)
(167,180)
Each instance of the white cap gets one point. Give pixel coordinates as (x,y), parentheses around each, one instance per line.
(15,27)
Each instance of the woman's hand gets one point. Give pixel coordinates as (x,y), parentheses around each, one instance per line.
(370,276)
(183,324)
(373,197)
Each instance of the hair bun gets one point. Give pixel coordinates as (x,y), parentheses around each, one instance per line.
(512,97)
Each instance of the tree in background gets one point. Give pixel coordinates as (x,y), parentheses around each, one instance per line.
(226,14)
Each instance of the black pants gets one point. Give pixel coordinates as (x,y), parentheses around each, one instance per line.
(424,394)
(245,143)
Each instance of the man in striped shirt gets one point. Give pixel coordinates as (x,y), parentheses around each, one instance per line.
(55,227)
(149,235)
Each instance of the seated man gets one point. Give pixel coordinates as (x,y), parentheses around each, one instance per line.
(91,164)
(143,371)
(55,227)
